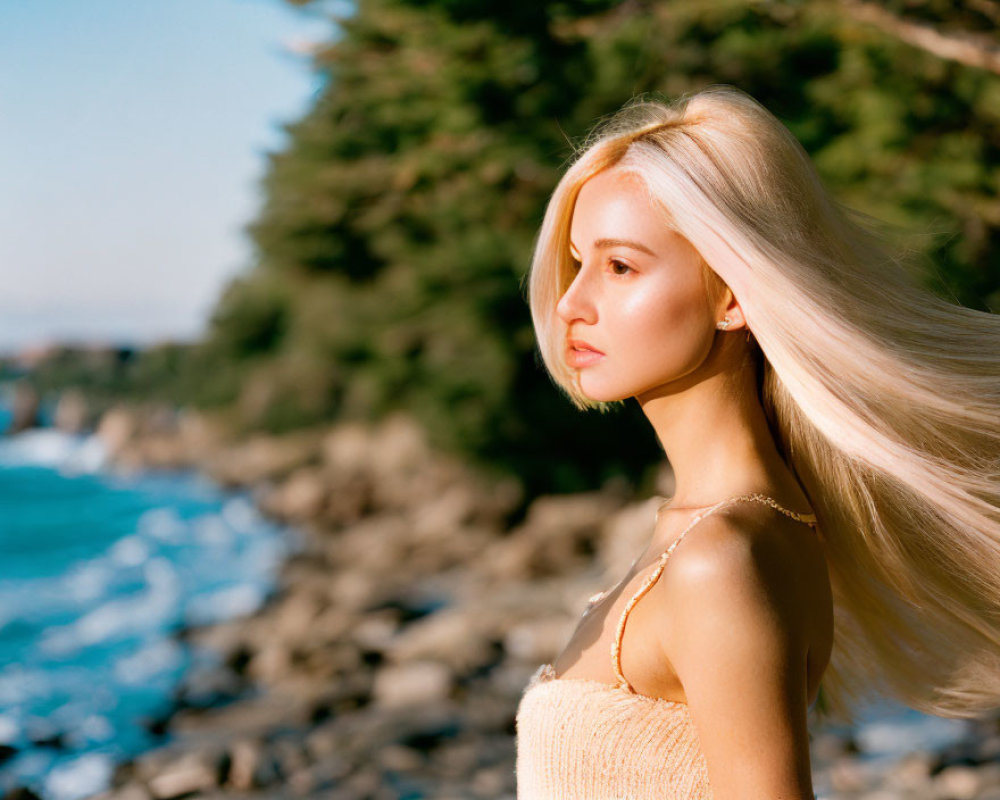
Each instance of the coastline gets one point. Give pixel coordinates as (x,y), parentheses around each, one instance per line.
(390,658)
(389,661)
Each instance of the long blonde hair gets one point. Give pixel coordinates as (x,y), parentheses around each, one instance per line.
(883,398)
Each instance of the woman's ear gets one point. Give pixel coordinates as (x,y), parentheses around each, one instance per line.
(729,308)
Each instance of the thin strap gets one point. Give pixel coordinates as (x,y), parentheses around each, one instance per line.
(616,644)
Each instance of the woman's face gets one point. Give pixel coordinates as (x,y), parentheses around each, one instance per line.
(637,297)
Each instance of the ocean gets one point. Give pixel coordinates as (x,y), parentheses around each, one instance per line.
(98,571)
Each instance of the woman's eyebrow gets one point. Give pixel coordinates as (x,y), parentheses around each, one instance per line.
(601,244)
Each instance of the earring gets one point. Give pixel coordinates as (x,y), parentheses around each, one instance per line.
(724,324)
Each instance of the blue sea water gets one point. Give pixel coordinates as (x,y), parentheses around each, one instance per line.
(97,571)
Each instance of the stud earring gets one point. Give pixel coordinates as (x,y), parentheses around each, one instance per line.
(724,324)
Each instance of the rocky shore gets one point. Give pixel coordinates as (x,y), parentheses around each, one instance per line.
(389,662)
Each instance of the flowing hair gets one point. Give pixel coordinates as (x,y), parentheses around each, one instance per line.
(883,399)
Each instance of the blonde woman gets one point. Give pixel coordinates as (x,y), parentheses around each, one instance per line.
(833,430)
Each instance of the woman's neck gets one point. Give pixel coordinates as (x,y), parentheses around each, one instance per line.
(716,438)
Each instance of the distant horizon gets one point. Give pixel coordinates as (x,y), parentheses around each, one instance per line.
(135,141)
(14,350)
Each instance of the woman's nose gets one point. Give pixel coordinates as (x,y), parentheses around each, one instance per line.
(576,302)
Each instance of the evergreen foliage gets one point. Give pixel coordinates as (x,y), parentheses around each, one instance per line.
(399,220)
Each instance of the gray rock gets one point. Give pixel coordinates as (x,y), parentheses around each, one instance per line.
(72,412)
(450,636)
(412,683)
(24,407)
(192,772)
(958,782)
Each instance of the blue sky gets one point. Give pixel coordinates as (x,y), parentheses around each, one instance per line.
(132,141)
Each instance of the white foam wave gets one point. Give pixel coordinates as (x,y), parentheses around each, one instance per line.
(213,531)
(9,729)
(19,685)
(241,515)
(233,601)
(88,580)
(81,777)
(126,616)
(152,660)
(95,728)
(164,524)
(129,551)
(46,447)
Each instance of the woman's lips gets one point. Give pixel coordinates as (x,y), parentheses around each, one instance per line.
(581,354)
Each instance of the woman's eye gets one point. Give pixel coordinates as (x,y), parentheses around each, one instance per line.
(619,267)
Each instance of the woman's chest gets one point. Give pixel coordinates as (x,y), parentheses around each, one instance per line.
(613,629)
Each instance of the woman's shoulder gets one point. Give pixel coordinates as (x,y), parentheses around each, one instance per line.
(735,537)
(748,565)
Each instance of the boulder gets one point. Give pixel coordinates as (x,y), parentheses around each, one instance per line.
(72,413)
(24,407)
(412,683)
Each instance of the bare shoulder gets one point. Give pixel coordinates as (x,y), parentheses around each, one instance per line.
(748,572)
(740,619)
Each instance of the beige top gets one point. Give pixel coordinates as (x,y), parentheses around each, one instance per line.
(580,739)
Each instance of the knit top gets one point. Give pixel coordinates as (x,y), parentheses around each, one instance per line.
(581,739)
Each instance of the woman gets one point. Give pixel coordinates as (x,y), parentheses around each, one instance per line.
(833,430)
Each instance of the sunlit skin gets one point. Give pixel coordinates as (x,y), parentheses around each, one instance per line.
(739,626)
